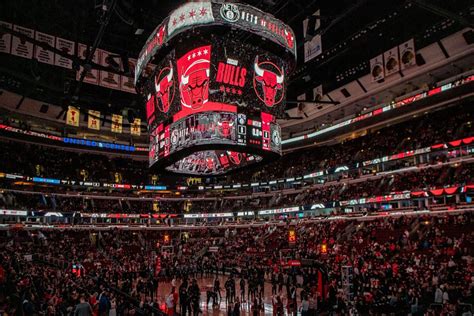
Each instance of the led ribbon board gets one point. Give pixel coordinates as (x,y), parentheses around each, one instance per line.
(213,99)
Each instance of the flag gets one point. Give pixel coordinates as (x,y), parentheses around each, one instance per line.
(72,117)
(135,127)
(93,121)
(116,126)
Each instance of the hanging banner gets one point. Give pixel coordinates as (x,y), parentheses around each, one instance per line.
(317,25)
(67,47)
(392,62)
(116,126)
(93,120)
(92,76)
(135,127)
(312,48)
(127,83)
(41,54)
(301,105)
(407,54)
(72,117)
(377,68)
(21,47)
(5,39)
(109,79)
(318,93)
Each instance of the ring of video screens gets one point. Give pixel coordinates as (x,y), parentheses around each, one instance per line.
(212,103)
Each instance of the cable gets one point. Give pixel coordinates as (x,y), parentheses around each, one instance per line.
(91,52)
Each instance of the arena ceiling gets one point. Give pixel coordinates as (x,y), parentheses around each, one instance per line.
(381,25)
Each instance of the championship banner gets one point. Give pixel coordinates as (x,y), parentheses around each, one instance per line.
(116,126)
(156,206)
(20,47)
(72,117)
(392,62)
(5,39)
(92,76)
(135,127)
(377,68)
(407,54)
(66,46)
(127,83)
(93,120)
(312,48)
(108,79)
(190,14)
(41,54)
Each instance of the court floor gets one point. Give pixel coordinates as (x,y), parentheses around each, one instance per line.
(246,308)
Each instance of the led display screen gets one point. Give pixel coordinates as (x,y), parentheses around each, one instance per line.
(213,78)
(206,14)
(212,101)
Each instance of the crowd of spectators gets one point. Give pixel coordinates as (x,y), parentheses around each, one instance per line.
(432,128)
(398,265)
(426,130)
(427,178)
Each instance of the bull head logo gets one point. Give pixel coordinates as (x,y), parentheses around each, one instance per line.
(209,162)
(163,90)
(270,81)
(225,127)
(235,157)
(195,85)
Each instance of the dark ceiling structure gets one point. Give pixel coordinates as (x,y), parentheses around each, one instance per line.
(353,31)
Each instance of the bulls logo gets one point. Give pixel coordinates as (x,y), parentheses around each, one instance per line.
(164,87)
(268,84)
(225,128)
(235,157)
(194,71)
(209,163)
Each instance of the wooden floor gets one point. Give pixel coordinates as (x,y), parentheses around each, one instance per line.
(165,288)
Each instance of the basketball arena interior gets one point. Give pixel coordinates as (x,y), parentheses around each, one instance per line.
(261,157)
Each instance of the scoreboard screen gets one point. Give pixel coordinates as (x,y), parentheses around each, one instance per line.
(212,102)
